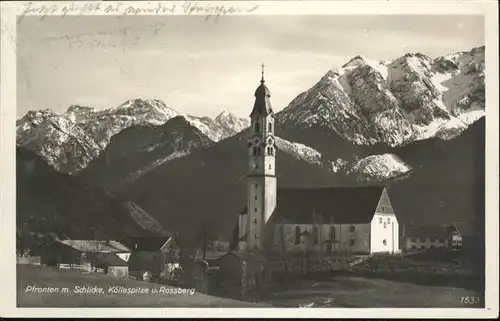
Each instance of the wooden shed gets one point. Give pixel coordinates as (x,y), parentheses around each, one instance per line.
(243,275)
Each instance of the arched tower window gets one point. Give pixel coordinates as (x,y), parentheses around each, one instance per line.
(257,127)
(255,151)
(297,234)
(270,127)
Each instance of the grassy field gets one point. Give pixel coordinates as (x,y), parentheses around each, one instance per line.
(340,291)
(44,278)
(361,292)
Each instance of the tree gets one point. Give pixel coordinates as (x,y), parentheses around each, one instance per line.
(206,236)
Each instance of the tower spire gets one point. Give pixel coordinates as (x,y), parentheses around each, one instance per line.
(262,79)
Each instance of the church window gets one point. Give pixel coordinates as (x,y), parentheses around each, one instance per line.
(352,242)
(270,127)
(351,228)
(269,166)
(315,235)
(332,233)
(380,220)
(255,210)
(384,242)
(257,151)
(255,197)
(297,234)
(385,224)
(257,127)
(282,233)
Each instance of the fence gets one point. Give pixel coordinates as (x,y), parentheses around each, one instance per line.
(81,267)
(32,260)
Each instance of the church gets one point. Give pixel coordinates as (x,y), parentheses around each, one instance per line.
(317,221)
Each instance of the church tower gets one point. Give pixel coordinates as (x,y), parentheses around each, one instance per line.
(261,178)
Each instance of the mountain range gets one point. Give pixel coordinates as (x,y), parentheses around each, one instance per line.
(414,123)
(70,141)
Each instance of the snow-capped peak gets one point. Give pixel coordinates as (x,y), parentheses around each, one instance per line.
(355,62)
(85,131)
(380,167)
(229,120)
(222,126)
(225,114)
(394,101)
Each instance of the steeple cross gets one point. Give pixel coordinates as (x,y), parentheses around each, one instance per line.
(262,80)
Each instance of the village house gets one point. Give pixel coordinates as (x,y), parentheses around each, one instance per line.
(213,251)
(432,237)
(156,255)
(108,257)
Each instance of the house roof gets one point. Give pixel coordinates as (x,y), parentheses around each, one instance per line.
(153,243)
(214,250)
(348,205)
(107,259)
(96,246)
(210,254)
(464,228)
(430,232)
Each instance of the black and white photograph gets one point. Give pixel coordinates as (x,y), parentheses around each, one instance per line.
(210,155)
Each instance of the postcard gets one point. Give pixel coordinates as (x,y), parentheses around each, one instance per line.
(248,159)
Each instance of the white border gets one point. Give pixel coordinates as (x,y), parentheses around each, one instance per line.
(7,151)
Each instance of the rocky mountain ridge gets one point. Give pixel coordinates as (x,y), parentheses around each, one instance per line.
(394,102)
(70,141)
(365,103)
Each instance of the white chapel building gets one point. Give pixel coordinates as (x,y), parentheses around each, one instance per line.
(331,220)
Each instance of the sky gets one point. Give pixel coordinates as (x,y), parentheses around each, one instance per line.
(202,67)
